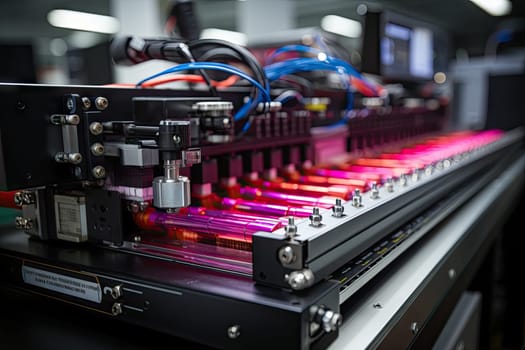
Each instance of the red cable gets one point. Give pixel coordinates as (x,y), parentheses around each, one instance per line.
(7,199)
(190,78)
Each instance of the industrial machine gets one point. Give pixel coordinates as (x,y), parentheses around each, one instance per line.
(205,209)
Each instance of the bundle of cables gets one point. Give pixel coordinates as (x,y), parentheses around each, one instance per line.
(210,54)
(350,77)
(204,55)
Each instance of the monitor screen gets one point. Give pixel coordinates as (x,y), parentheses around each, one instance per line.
(397,47)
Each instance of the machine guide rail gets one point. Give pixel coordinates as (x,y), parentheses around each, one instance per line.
(319,250)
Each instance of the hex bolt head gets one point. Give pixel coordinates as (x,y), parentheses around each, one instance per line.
(316,218)
(374,191)
(290,229)
(338,209)
(357,199)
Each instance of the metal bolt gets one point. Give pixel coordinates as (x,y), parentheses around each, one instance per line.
(356,198)
(86,103)
(338,209)
(290,229)
(71,119)
(415,175)
(28,197)
(374,191)
(101,103)
(75,158)
(18,199)
(72,158)
(177,139)
(96,128)
(22,223)
(116,292)
(137,239)
(429,170)
(286,255)
(331,321)
(19,222)
(315,218)
(414,327)
(403,180)
(389,185)
(116,309)
(97,149)
(300,279)
(234,331)
(98,171)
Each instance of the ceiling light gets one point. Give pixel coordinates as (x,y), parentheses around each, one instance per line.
(341,25)
(83,21)
(494,7)
(228,35)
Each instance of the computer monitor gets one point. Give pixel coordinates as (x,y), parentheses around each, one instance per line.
(400,48)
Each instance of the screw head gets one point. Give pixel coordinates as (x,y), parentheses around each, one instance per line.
(99,171)
(116,309)
(97,149)
(86,103)
(286,255)
(18,199)
(101,103)
(96,128)
(234,331)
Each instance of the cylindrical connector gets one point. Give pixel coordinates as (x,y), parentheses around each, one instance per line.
(171,193)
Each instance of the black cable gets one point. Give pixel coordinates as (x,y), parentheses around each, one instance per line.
(185,51)
(200,47)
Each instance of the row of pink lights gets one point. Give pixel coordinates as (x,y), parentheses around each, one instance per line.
(265,209)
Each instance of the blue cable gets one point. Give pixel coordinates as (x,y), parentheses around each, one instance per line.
(246,108)
(288,95)
(291,48)
(279,69)
(211,66)
(329,59)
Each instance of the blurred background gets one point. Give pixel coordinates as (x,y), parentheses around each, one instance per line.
(37,48)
